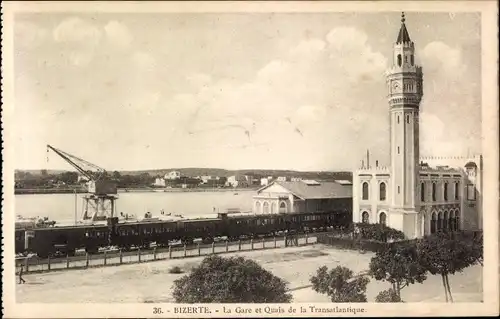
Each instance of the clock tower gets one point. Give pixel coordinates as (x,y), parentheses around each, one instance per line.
(404,81)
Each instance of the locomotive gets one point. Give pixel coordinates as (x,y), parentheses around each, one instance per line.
(49,241)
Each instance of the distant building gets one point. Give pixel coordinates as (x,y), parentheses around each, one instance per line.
(282,179)
(303,197)
(265,181)
(173,175)
(296,179)
(237,181)
(159,182)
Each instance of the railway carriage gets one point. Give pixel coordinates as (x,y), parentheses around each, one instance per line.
(141,234)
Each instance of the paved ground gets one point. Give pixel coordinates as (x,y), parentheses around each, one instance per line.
(151,282)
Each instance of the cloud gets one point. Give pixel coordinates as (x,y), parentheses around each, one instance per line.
(78,40)
(439,57)
(118,34)
(76,30)
(292,101)
(29,35)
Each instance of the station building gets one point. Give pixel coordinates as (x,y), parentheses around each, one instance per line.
(304,196)
(416,195)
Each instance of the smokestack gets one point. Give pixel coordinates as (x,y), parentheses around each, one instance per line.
(362,164)
(368,158)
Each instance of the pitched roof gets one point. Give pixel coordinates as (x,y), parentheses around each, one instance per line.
(320,191)
(403,35)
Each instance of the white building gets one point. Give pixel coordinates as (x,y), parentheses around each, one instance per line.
(159,182)
(303,197)
(237,180)
(173,175)
(418,196)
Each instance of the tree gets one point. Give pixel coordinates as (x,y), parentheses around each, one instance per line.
(399,265)
(340,284)
(116,175)
(445,254)
(230,280)
(389,295)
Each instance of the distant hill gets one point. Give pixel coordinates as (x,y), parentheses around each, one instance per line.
(194,171)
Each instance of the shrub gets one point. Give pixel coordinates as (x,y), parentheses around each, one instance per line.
(388,295)
(230,280)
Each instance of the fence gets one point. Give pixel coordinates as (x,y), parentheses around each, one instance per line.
(115,258)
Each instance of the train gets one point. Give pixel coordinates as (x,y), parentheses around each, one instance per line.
(127,235)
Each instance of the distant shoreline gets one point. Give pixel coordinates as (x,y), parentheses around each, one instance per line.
(53,191)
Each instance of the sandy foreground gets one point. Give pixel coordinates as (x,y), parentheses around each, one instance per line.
(151,281)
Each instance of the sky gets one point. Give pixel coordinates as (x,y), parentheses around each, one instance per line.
(131,91)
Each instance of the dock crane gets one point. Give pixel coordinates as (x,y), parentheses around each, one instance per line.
(99,202)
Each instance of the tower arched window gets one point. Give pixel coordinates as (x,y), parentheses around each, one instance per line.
(408,119)
(382,191)
(433,192)
(422,192)
(445,191)
(457,190)
(406,59)
(365,195)
(412,59)
(399,59)
(398,119)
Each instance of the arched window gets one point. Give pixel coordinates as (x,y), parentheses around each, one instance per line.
(445,191)
(274,208)
(433,192)
(399,60)
(457,190)
(406,59)
(258,207)
(382,191)
(433,223)
(407,119)
(365,217)
(397,118)
(382,219)
(422,192)
(451,221)
(282,207)
(412,60)
(365,191)
(266,208)
(440,222)
(445,222)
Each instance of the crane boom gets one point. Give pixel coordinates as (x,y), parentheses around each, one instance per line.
(72,159)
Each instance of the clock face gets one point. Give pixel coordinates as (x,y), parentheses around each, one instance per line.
(396,87)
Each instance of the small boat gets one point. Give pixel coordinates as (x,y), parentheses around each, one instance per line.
(235,194)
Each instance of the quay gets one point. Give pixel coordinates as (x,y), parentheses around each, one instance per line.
(116,258)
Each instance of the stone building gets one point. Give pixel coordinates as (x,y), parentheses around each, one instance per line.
(304,196)
(418,196)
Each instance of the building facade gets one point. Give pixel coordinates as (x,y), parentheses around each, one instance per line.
(303,197)
(418,196)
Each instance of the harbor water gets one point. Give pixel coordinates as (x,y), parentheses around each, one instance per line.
(61,207)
